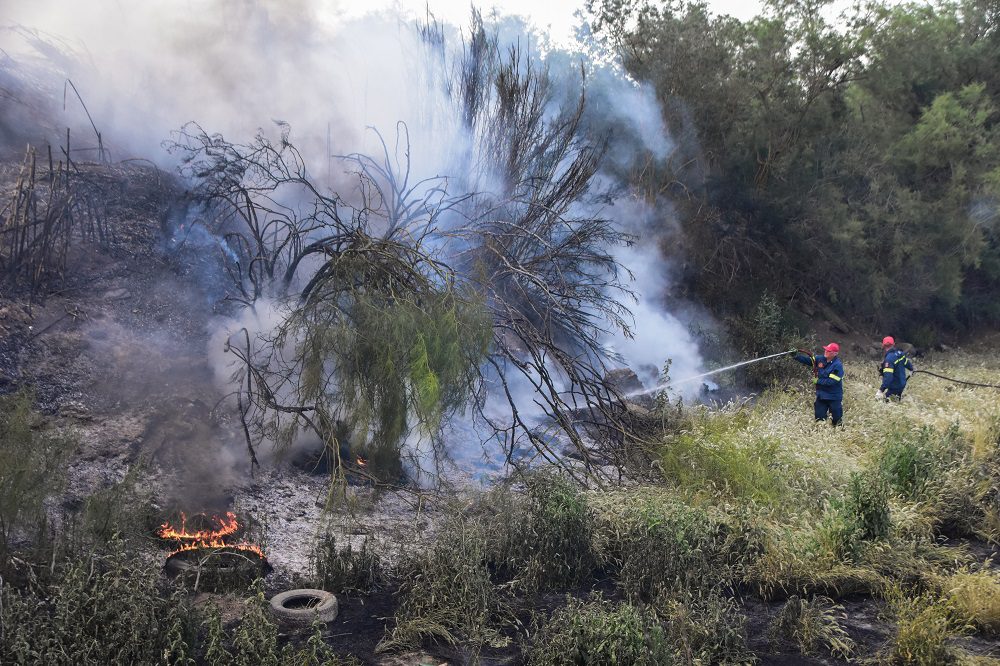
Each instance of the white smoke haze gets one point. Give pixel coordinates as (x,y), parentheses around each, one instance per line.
(145,69)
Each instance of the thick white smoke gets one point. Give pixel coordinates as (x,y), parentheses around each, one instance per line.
(145,69)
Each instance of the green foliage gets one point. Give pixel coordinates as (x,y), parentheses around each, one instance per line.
(400,360)
(601,632)
(850,524)
(694,631)
(543,536)
(446,593)
(867,506)
(31,469)
(765,330)
(909,460)
(711,458)
(315,652)
(849,164)
(256,640)
(215,639)
(654,544)
(340,570)
(813,626)
(106,610)
(122,509)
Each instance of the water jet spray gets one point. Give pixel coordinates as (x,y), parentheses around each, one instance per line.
(664,385)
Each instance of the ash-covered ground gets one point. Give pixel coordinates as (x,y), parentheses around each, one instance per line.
(119,354)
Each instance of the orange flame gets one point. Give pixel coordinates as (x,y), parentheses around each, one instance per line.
(226,525)
(210,539)
(362,462)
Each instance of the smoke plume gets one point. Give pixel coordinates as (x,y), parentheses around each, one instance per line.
(145,69)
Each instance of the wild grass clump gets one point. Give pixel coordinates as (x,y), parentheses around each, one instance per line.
(975,598)
(601,632)
(813,625)
(346,569)
(446,593)
(651,542)
(605,632)
(924,623)
(800,560)
(740,470)
(541,537)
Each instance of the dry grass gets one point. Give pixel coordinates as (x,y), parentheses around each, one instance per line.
(975,597)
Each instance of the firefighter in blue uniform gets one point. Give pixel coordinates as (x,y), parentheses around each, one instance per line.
(828,376)
(893,370)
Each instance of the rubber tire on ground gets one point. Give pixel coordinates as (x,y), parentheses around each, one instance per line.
(326,608)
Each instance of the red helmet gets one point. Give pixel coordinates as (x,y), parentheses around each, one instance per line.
(888,341)
(832,347)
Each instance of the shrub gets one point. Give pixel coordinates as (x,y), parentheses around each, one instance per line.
(446,593)
(97,610)
(31,468)
(767,329)
(703,629)
(346,569)
(908,461)
(709,459)
(601,632)
(813,626)
(256,639)
(543,537)
(868,506)
(652,542)
(119,510)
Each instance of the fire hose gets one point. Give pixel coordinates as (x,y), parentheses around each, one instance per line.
(956,381)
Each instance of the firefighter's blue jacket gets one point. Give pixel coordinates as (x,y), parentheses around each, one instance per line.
(893,369)
(829,375)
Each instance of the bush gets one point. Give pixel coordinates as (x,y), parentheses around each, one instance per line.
(709,460)
(868,506)
(119,510)
(767,329)
(31,469)
(652,542)
(601,632)
(697,630)
(813,626)
(543,537)
(447,595)
(908,461)
(345,569)
(98,610)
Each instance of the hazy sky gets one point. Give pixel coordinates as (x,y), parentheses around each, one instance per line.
(557,15)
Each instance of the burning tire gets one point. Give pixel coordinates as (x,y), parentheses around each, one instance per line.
(301,607)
